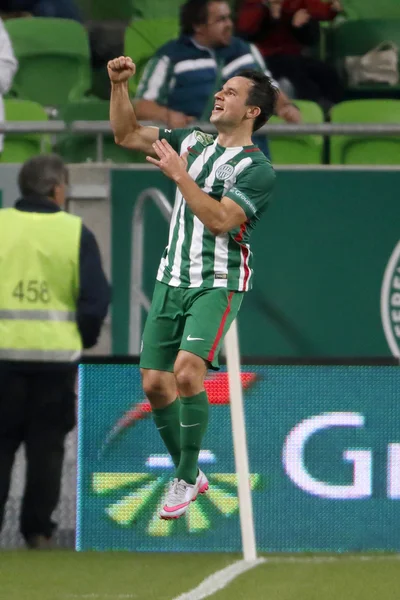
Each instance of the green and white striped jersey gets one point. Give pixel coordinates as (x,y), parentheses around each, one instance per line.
(194,257)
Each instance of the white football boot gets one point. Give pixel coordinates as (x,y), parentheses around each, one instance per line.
(181,494)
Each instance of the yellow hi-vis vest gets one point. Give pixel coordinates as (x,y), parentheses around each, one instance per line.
(39,286)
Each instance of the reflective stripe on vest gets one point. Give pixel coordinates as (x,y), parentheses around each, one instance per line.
(40,355)
(38,315)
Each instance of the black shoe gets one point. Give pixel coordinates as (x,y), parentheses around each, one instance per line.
(39,542)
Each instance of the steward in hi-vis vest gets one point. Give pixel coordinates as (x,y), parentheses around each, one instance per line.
(39,293)
(54,298)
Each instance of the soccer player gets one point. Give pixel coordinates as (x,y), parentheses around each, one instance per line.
(223,186)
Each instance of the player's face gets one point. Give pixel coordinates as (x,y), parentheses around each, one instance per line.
(230,107)
(219,27)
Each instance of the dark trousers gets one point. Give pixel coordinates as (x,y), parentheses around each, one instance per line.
(312,79)
(37,409)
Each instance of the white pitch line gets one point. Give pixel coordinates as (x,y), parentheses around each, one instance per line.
(217,581)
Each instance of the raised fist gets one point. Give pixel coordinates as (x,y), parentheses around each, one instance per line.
(121,69)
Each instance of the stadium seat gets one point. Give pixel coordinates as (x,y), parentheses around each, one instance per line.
(126,9)
(298,149)
(360,9)
(156,9)
(356,38)
(54,60)
(20,147)
(142,40)
(356,150)
(76,148)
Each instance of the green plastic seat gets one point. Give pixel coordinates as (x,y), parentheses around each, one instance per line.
(54,60)
(78,148)
(20,147)
(156,9)
(127,9)
(142,40)
(356,150)
(362,9)
(298,149)
(356,38)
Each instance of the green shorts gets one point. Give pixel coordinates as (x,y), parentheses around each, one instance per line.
(191,319)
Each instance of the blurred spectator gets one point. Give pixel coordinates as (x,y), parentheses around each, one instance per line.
(62,9)
(8,68)
(283,30)
(53,300)
(179,83)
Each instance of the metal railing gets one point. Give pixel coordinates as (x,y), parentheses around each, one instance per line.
(104,127)
(138,298)
(101,128)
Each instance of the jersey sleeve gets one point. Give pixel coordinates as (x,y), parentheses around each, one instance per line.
(253,189)
(154,83)
(176,137)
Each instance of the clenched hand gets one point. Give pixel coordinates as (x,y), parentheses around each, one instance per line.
(121,69)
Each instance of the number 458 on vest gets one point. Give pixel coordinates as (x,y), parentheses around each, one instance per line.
(32,291)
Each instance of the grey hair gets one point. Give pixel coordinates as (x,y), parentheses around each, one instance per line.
(41,174)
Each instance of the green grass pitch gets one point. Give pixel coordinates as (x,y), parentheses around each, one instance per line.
(63,575)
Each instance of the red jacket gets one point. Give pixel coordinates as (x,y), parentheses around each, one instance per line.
(279,36)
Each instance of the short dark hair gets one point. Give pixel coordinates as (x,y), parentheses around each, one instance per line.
(192,13)
(263,93)
(41,174)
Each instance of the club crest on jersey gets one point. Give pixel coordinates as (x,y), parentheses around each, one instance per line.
(390,302)
(224,172)
(203,138)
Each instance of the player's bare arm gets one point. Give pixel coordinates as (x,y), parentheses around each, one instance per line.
(217,217)
(127,131)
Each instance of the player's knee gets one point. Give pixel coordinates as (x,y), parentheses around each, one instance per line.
(156,387)
(189,374)
(185,378)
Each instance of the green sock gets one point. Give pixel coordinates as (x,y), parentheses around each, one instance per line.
(167,423)
(194,419)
